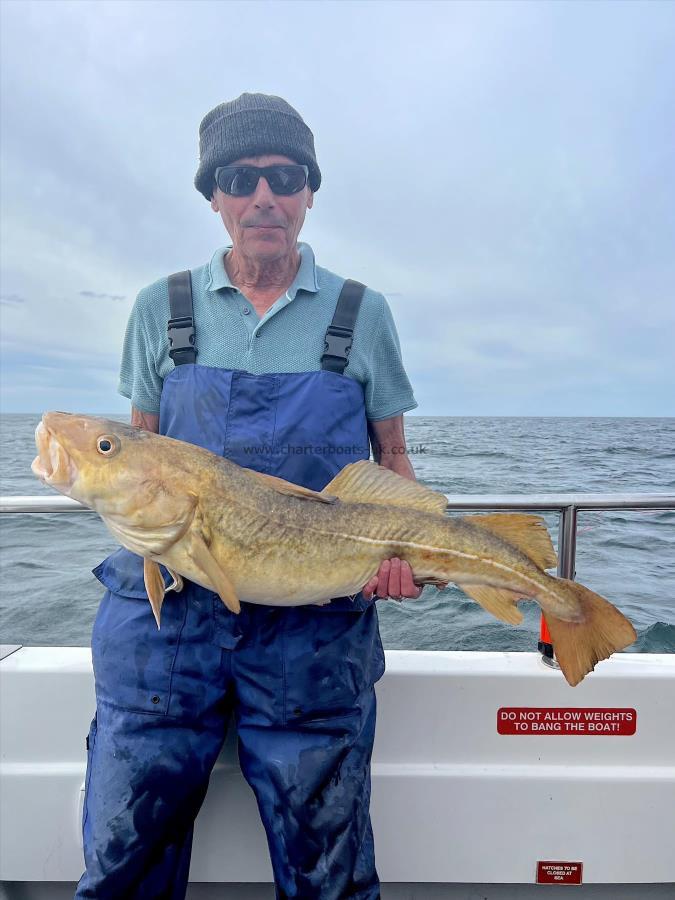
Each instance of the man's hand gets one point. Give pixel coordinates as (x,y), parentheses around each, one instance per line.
(394,579)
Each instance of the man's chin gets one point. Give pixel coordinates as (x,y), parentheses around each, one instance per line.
(267,242)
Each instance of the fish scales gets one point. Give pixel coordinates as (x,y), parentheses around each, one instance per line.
(337,535)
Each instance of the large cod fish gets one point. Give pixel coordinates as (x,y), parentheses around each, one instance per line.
(260,539)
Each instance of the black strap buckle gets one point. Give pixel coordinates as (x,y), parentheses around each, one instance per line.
(181,335)
(338,342)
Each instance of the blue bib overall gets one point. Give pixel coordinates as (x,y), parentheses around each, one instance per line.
(299,680)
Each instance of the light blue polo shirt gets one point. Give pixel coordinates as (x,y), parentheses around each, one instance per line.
(288,338)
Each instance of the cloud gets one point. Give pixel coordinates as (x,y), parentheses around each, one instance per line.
(101,296)
(11,299)
(510,204)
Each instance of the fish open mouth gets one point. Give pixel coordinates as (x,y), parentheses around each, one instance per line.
(52,465)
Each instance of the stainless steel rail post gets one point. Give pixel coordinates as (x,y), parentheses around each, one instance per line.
(567,542)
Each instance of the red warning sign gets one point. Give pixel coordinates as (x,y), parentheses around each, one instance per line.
(566,720)
(559,872)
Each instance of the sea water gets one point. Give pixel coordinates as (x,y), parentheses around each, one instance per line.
(48,595)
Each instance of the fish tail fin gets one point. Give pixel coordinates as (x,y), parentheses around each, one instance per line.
(580,645)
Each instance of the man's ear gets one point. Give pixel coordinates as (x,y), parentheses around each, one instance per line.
(310,199)
(214,202)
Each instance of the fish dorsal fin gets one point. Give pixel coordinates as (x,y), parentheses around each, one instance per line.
(154,586)
(366,482)
(287,487)
(527,533)
(216,575)
(501,603)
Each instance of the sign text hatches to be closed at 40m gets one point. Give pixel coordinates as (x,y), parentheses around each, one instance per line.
(566,720)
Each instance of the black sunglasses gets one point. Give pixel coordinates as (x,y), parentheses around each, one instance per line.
(241,181)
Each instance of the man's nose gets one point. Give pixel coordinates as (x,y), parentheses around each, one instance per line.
(263,196)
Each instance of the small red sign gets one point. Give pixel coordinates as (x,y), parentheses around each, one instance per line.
(566,720)
(559,872)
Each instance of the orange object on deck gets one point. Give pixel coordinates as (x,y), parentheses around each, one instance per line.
(544,635)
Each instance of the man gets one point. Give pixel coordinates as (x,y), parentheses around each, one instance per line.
(257,366)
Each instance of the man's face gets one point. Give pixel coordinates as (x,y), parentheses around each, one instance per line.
(264,226)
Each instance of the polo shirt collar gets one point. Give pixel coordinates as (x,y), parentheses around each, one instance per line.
(305,280)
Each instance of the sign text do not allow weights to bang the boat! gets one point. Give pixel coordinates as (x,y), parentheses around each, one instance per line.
(566,720)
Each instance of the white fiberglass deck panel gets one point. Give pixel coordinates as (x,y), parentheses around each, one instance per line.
(453,801)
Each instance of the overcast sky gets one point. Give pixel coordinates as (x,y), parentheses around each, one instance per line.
(503,171)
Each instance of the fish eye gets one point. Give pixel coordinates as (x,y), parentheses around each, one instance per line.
(107,445)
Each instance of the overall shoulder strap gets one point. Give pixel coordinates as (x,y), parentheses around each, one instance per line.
(338,340)
(181,324)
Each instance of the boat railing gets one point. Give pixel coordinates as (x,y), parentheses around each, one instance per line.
(568,506)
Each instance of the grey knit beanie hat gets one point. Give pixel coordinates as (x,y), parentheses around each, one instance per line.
(253,125)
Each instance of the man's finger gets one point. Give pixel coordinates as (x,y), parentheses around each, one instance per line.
(383,579)
(395,578)
(408,586)
(370,588)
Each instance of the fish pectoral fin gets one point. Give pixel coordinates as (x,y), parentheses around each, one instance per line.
(498,601)
(292,490)
(528,533)
(600,631)
(154,586)
(214,572)
(366,482)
